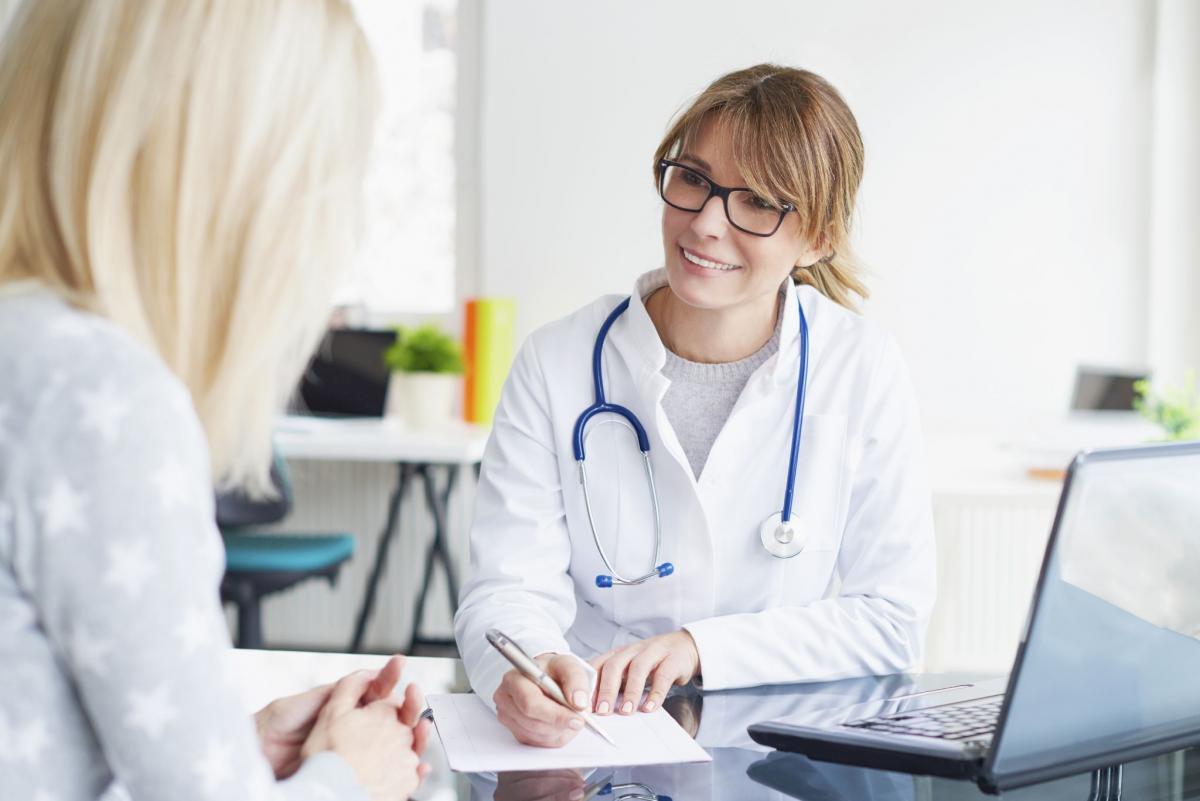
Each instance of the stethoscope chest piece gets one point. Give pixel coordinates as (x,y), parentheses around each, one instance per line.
(782,540)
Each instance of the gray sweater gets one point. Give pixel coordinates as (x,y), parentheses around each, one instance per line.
(112,638)
(702,396)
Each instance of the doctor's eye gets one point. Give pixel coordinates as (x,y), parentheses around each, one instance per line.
(759,203)
(693,178)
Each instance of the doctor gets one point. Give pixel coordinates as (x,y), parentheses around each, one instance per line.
(755,508)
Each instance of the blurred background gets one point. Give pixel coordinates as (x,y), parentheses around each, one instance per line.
(1028,219)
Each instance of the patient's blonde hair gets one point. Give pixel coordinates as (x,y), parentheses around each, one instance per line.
(193,172)
(794,140)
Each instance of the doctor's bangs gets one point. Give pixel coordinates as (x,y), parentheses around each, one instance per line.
(794,141)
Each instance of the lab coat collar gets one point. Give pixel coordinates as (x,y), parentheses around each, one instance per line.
(640,345)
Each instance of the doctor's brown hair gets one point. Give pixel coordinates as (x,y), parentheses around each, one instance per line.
(796,141)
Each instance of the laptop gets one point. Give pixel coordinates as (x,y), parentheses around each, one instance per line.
(1108,666)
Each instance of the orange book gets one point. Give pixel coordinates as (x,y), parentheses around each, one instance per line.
(489,337)
(469,356)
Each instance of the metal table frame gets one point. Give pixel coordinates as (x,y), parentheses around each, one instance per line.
(438,550)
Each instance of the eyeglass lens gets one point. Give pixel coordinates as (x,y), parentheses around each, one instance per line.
(689,190)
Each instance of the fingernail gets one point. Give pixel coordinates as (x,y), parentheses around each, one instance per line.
(626,707)
(580,698)
(576,794)
(576,724)
(649,706)
(603,708)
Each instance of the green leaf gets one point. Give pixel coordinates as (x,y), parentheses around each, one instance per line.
(1176,410)
(424,349)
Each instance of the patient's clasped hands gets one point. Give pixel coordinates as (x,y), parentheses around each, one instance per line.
(623,676)
(380,738)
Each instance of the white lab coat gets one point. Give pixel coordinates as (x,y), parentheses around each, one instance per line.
(855,602)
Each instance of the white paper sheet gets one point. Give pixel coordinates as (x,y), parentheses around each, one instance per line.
(475,741)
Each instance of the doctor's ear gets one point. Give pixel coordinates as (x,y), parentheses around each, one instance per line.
(821,252)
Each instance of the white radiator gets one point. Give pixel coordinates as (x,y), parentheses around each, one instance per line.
(990,547)
(352,498)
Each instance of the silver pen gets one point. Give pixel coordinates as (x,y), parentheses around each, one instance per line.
(533,671)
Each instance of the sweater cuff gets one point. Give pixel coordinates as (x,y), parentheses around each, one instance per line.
(324,775)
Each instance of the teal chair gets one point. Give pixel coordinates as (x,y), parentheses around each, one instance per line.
(258,564)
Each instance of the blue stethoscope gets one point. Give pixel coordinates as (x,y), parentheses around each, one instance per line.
(778,532)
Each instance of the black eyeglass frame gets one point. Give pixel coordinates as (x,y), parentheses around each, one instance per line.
(715,188)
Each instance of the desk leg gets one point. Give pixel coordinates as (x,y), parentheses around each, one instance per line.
(439,550)
(1107,783)
(405,474)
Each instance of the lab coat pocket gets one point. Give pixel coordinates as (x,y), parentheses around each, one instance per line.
(819,508)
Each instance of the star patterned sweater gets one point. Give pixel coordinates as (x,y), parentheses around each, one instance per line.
(112,639)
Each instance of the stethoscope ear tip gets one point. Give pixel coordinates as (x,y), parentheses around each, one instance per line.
(604,582)
(665,569)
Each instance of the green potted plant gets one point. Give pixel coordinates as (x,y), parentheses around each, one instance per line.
(426,364)
(1176,411)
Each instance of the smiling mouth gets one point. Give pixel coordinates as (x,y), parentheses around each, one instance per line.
(706,264)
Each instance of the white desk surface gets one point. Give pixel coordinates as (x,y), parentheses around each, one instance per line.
(262,676)
(372,439)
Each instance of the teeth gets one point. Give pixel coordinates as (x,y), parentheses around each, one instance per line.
(711,265)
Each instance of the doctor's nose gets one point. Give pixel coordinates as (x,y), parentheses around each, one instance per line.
(711,221)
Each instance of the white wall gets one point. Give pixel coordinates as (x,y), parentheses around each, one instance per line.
(1004,210)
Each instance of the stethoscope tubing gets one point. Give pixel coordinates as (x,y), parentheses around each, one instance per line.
(602,406)
(797,421)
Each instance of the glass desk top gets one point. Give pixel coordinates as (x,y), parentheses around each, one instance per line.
(741,769)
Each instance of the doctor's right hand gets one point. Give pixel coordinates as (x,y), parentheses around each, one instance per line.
(531,716)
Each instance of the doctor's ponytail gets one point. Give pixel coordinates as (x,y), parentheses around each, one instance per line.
(795,140)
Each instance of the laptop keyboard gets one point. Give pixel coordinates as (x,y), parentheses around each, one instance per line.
(970,720)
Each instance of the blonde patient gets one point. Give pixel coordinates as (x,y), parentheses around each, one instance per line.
(180,181)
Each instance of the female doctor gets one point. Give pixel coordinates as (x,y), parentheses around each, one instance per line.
(719,476)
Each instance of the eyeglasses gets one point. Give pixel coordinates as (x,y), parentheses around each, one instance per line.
(688,190)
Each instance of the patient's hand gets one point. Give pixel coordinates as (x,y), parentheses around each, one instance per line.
(665,660)
(284,724)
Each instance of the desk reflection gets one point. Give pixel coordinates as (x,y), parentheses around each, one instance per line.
(742,769)
(718,722)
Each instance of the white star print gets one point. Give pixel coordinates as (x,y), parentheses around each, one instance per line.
(229,670)
(195,630)
(260,786)
(151,711)
(69,327)
(61,508)
(174,484)
(102,411)
(26,743)
(90,653)
(129,567)
(322,791)
(214,768)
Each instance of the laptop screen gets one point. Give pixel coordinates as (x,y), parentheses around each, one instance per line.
(1111,657)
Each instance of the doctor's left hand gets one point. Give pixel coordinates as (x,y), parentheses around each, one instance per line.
(663,661)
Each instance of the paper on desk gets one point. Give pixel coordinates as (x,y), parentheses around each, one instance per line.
(475,741)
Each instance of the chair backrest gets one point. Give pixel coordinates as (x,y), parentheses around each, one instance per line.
(236,510)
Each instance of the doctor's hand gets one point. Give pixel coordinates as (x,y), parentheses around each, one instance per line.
(663,661)
(540,785)
(529,713)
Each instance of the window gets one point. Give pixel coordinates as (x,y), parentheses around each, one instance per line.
(407,262)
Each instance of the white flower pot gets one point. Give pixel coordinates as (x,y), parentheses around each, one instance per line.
(422,399)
